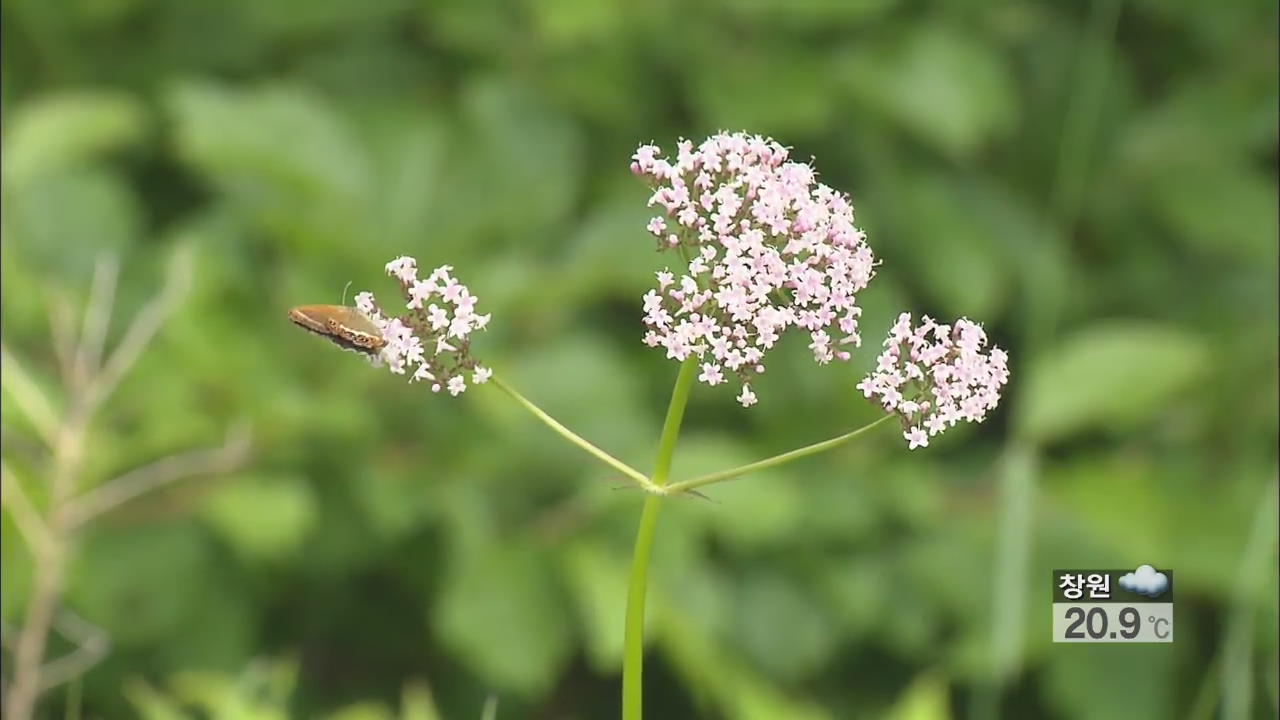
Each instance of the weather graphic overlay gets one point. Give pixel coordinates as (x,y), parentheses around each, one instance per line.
(1113,606)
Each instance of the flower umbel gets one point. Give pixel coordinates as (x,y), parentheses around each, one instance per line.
(766,248)
(432,341)
(934,376)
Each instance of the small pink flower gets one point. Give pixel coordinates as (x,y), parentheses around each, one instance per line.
(768,248)
(935,375)
(457,385)
(437,317)
(419,292)
(916,438)
(403,268)
(445,326)
(453,293)
(935,424)
(460,327)
(711,374)
(465,304)
(746,397)
(413,351)
(365,304)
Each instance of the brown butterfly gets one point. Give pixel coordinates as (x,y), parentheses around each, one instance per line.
(346,327)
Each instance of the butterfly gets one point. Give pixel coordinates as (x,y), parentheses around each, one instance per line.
(346,327)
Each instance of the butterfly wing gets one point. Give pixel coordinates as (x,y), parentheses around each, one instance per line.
(345,327)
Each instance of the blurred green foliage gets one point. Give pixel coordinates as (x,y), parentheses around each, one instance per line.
(1096,183)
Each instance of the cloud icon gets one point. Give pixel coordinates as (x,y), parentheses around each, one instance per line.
(1145,581)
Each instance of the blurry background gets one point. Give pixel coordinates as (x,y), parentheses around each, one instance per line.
(1096,183)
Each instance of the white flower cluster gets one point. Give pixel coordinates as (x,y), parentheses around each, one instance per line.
(934,376)
(766,248)
(431,341)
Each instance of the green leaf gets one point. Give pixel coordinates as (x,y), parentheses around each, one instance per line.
(143,584)
(152,704)
(1133,679)
(411,163)
(571,22)
(940,83)
(417,703)
(281,150)
(947,244)
(837,506)
(1228,114)
(474,26)
(520,165)
(738,691)
(587,385)
(395,506)
(276,135)
(262,691)
(220,631)
(262,518)
(612,254)
(783,630)
(296,20)
(1111,375)
(597,579)
(504,616)
(728,88)
(810,15)
(214,692)
(1099,493)
(604,90)
(53,220)
(60,130)
(759,509)
(858,589)
(367,710)
(925,699)
(1218,206)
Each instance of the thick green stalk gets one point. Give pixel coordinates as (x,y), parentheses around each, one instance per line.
(786,457)
(633,653)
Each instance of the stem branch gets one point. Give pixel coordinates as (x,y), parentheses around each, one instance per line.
(577,439)
(164,471)
(48,559)
(786,457)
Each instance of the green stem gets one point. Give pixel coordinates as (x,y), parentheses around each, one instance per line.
(633,653)
(786,457)
(577,439)
(671,427)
